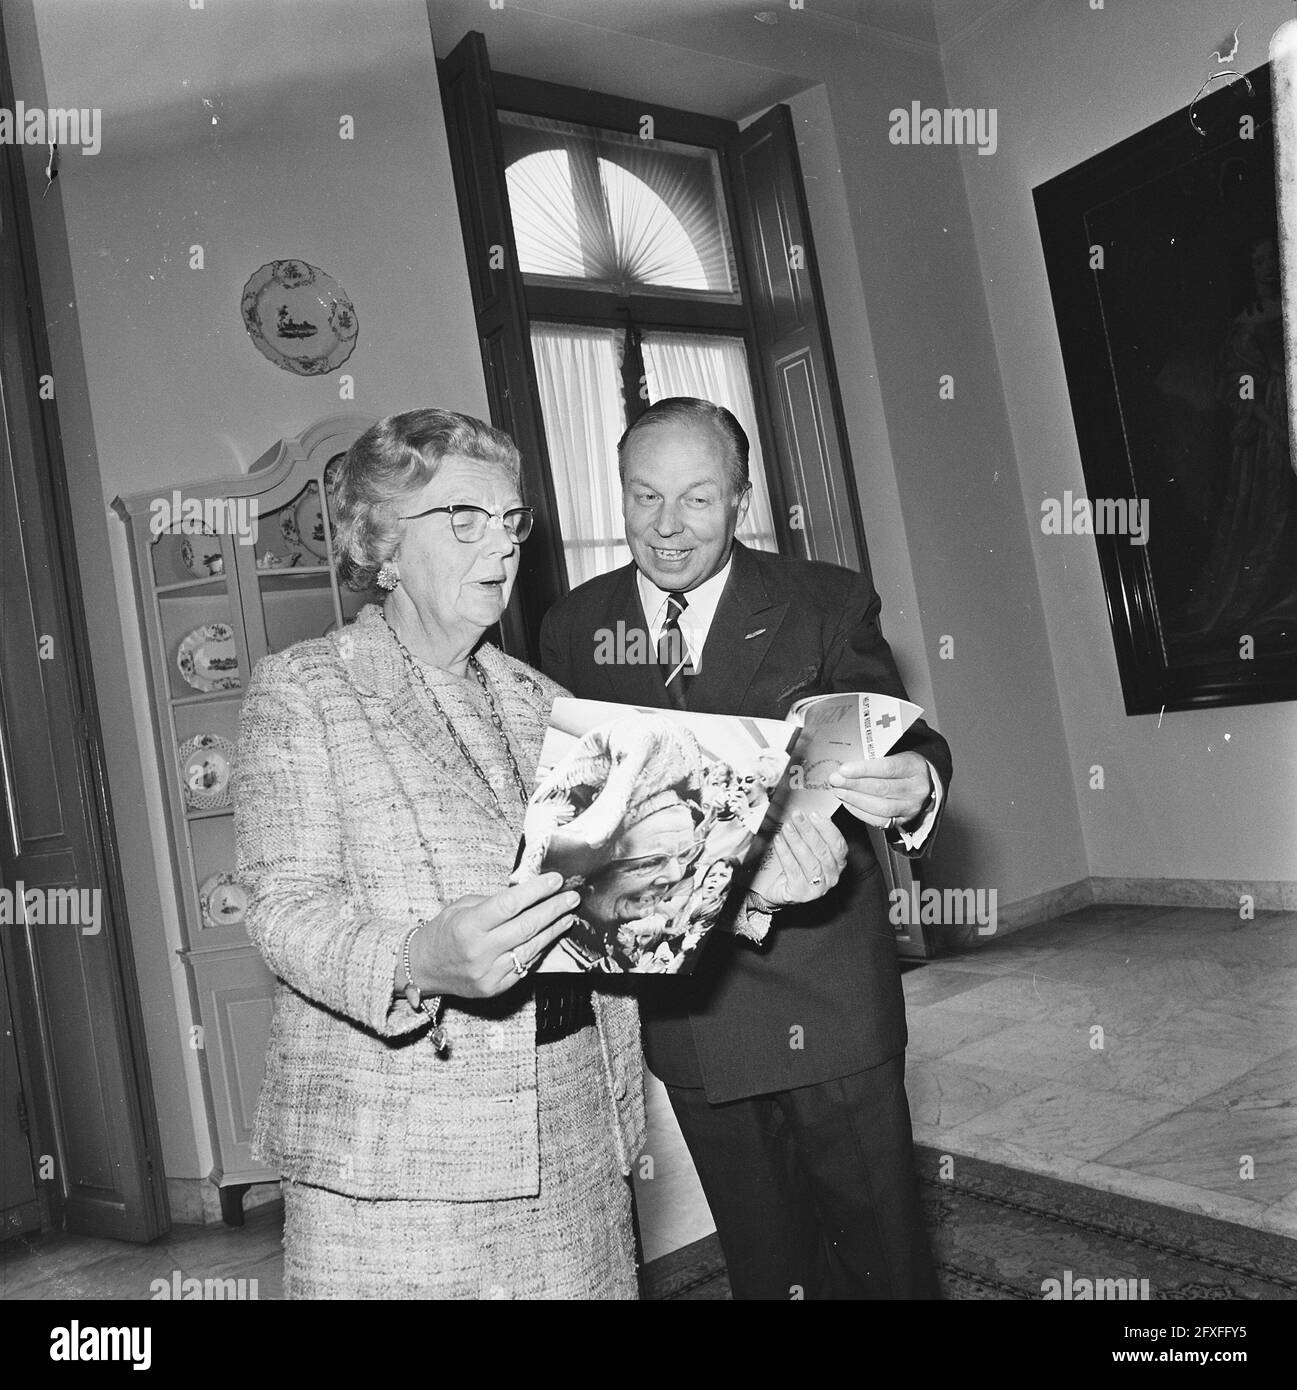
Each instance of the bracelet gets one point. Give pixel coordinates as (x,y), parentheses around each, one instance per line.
(413,997)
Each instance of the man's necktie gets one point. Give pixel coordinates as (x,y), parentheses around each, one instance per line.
(673,654)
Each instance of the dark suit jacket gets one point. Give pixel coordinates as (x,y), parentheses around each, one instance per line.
(822,997)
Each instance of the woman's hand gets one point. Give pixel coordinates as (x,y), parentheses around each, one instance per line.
(469,949)
(805,859)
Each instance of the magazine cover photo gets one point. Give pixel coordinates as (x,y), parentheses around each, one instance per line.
(655,817)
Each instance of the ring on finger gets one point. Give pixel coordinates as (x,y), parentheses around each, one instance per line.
(519,968)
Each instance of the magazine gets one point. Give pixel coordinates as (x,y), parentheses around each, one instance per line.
(659,818)
(654,816)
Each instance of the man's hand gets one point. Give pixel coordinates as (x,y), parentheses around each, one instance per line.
(884,791)
(805,859)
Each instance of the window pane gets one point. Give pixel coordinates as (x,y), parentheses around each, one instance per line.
(543,208)
(602,210)
(715,369)
(578,372)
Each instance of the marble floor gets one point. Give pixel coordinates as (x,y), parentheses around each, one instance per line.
(1146,1051)
(1142,1050)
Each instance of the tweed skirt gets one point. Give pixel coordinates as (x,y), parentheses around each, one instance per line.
(571,1241)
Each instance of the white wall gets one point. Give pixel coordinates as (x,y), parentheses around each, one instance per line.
(1199,794)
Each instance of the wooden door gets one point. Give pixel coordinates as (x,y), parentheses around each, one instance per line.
(19,1208)
(77,1026)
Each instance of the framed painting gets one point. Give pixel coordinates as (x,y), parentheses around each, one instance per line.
(1163,264)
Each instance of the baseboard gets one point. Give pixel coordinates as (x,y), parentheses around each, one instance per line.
(1044,907)
(1267,895)
(197,1201)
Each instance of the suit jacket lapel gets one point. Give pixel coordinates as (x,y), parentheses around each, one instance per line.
(747,622)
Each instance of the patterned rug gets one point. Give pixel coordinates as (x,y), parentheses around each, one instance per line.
(998,1233)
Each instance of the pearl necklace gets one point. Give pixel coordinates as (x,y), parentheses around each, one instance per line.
(415,667)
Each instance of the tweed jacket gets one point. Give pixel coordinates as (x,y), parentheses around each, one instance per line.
(356,814)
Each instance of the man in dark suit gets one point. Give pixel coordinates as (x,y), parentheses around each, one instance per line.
(784,1062)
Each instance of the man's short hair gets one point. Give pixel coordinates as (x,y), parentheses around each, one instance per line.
(691,411)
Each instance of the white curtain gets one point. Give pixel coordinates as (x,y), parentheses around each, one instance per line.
(579,375)
(714,369)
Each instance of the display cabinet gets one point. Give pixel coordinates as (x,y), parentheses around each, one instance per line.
(226,572)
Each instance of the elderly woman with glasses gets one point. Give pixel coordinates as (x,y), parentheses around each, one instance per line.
(446,1124)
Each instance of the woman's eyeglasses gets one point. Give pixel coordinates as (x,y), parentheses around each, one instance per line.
(469,523)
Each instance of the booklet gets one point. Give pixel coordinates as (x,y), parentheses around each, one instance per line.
(837,729)
(659,818)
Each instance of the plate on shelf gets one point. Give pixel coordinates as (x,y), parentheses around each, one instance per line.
(308,523)
(201,555)
(206,762)
(299,317)
(208,658)
(222,900)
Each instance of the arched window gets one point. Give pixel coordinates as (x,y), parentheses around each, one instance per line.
(613,212)
(630,237)
(601,213)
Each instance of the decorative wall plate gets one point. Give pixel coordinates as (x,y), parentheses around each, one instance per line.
(206,763)
(223,900)
(208,658)
(201,555)
(299,317)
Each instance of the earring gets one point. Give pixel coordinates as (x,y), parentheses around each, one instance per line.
(388,578)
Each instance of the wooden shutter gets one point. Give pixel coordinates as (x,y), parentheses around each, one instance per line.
(796,360)
(473,130)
